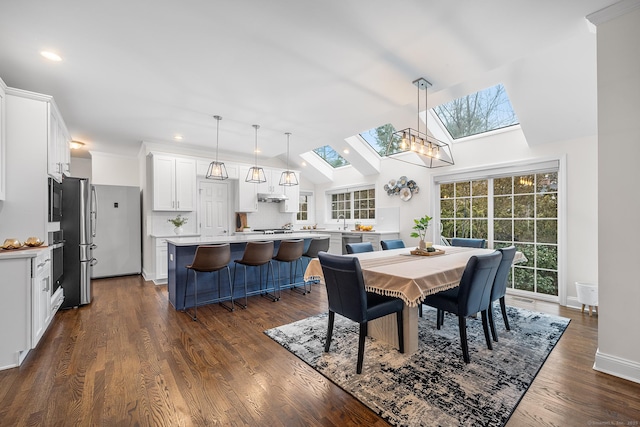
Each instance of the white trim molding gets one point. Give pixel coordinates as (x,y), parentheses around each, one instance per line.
(614,11)
(617,366)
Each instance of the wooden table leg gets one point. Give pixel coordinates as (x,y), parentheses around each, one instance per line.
(385,329)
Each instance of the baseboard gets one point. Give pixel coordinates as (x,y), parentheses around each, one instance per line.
(616,366)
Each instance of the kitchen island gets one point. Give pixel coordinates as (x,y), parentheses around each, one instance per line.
(180,253)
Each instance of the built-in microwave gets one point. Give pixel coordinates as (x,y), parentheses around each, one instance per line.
(55,200)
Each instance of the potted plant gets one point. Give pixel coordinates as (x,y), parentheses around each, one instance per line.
(178,222)
(420,226)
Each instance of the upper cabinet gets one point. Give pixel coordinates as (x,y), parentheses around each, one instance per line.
(247,200)
(2,141)
(58,151)
(174,183)
(292,204)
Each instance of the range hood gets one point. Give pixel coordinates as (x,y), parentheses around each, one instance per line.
(271,197)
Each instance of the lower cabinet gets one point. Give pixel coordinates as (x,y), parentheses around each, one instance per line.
(25,306)
(161,260)
(40,296)
(335,243)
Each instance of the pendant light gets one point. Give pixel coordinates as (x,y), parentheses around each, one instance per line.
(429,151)
(217,170)
(288,177)
(256,174)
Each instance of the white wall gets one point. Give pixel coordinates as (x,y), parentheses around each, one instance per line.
(618,153)
(114,169)
(502,148)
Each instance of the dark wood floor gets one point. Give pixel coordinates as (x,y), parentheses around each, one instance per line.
(130,359)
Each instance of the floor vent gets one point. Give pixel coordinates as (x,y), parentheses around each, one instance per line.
(523,299)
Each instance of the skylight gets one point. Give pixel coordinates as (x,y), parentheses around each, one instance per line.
(330,156)
(480,112)
(378,139)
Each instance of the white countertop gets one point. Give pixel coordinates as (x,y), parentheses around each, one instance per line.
(241,237)
(21,253)
(378,232)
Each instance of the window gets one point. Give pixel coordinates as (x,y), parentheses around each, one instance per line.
(364,204)
(341,205)
(331,156)
(480,112)
(520,209)
(357,204)
(378,138)
(305,207)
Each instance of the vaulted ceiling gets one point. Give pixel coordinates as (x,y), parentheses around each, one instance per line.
(147,70)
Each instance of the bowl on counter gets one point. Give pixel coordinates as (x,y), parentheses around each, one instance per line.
(11,243)
(33,242)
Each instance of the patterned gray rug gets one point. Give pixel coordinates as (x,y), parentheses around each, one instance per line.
(433,386)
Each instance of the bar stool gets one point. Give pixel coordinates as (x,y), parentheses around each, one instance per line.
(256,254)
(208,258)
(317,245)
(290,251)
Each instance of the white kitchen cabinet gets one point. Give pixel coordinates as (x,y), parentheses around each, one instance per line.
(58,155)
(2,141)
(247,200)
(162,264)
(271,184)
(15,311)
(40,295)
(335,243)
(174,183)
(292,204)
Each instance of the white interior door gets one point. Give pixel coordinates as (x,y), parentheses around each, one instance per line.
(213,209)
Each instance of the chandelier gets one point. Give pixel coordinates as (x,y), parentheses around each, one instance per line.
(430,152)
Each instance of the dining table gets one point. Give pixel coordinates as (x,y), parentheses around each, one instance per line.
(410,277)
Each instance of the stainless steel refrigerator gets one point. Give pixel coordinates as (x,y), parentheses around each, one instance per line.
(77,228)
(117,227)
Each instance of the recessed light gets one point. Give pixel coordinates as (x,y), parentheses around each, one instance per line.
(51,56)
(178,137)
(345,151)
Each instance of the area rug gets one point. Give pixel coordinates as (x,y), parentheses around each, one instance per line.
(433,386)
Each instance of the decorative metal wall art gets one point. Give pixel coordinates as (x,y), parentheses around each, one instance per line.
(403,187)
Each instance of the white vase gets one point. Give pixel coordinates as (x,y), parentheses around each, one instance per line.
(178,230)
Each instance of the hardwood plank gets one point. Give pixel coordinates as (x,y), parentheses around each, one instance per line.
(129,358)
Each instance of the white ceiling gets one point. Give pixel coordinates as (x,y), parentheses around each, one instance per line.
(146,70)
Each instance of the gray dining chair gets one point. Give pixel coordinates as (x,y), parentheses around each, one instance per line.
(470,297)
(499,289)
(347,296)
(392,244)
(357,248)
(469,243)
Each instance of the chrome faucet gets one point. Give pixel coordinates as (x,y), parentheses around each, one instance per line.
(344,223)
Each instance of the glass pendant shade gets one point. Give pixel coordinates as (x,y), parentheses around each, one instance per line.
(217,170)
(288,177)
(256,174)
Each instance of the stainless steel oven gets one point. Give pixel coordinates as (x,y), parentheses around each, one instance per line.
(56,243)
(55,201)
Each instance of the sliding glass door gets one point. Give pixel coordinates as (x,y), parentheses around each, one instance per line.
(518,209)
